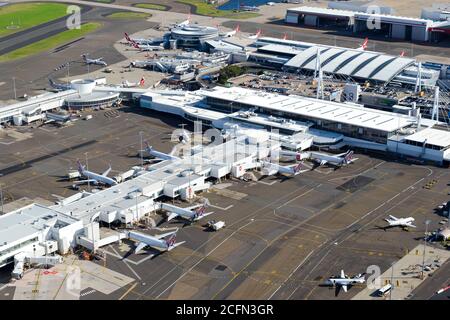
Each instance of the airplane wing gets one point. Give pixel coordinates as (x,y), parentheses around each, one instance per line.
(341,154)
(323,162)
(85,181)
(163,235)
(392,217)
(171,216)
(194,207)
(106,172)
(344,287)
(411,225)
(205,215)
(342,274)
(301,171)
(139,247)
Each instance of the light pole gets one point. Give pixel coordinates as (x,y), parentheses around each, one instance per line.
(68,71)
(87,169)
(142,150)
(14,88)
(1,193)
(392,280)
(427,222)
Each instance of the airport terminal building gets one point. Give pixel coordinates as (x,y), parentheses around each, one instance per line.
(339,124)
(358,65)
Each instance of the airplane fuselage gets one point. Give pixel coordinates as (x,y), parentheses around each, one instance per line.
(161,155)
(98,177)
(150,241)
(322,157)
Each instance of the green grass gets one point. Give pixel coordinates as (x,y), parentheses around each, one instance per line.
(206,9)
(129,15)
(150,6)
(18,17)
(51,42)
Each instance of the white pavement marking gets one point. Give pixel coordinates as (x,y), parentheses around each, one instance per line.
(268,183)
(118,256)
(191,268)
(88,292)
(221,208)
(290,275)
(126,263)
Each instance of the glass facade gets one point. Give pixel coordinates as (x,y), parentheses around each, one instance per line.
(420,144)
(4,254)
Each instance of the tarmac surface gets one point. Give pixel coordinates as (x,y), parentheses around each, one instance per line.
(284,236)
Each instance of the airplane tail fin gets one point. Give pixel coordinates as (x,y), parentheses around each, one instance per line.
(364,45)
(172,240)
(147,146)
(258,33)
(237,29)
(285,36)
(142,81)
(402,54)
(349,157)
(298,167)
(200,211)
(127,37)
(80,166)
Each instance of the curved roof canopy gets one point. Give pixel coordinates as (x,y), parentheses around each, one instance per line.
(352,62)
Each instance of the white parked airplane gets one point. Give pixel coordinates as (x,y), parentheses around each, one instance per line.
(364,44)
(290,155)
(126,84)
(142,41)
(59,86)
(158,242)
(270,169)
(93,177)
(231,33)
(159,155)
(400,222)
(146,47)
(186,22)
(256,35)
(192,214)
(98,61)
(338,160)
(343,281)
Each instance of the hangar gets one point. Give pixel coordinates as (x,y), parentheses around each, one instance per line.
(396,27)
